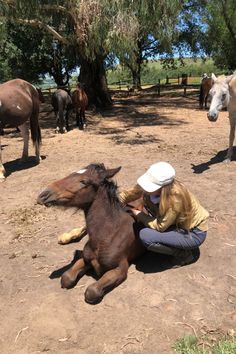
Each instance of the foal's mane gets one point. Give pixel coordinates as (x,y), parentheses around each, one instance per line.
(109,186)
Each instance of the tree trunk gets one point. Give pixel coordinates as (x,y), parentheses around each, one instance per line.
(93,76)
(136,78)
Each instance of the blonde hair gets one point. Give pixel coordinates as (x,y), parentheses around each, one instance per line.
(176,196)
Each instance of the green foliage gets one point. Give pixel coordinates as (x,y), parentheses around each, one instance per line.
(220,38)
(154,71)
(191,345)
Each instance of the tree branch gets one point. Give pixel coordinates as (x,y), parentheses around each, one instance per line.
(227,20)
(44,26)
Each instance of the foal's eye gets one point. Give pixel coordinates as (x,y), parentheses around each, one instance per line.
(82,184)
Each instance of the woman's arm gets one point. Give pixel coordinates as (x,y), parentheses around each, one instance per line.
(131,194)
(157,223)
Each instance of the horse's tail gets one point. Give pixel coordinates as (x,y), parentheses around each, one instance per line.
(201,97)
(34,123)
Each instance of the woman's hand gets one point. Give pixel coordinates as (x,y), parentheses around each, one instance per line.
(135,212)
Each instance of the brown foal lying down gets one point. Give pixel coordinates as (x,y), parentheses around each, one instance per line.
(112,242)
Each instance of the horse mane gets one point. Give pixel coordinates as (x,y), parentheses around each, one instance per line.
(110,187)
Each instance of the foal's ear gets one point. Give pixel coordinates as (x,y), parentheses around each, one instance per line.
(112,172)
(214,78)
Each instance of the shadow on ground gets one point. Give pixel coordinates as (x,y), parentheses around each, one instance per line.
(16,165)
(218,158)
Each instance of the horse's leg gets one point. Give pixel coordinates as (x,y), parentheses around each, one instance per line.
(77,117)
(69,278)
(24,129)
(57,120)
(2,169)
(95,292)
(206,97)
(80,119)
(74,234)
(84,120)
(67,119)
(232,121)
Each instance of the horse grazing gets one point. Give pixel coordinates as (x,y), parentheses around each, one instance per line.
(62,105)
(19,102)
(80,104)
(112,243)
(223,93)
(205,87)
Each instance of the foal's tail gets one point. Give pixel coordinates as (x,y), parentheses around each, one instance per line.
(34,125)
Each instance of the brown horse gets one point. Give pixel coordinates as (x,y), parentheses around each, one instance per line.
(19,102)
(205,87)
(80,104)
(112,243)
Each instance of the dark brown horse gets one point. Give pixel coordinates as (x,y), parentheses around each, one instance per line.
(19,103)
(112,243)
(205,87)
(80,104)
(62,105)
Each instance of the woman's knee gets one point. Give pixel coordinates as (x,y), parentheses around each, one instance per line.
(148,236)
(143,237)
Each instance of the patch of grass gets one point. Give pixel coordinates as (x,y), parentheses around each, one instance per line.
(193,345)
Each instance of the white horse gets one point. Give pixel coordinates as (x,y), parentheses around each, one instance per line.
(223,93)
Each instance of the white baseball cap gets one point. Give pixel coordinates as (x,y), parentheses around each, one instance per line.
(157,176)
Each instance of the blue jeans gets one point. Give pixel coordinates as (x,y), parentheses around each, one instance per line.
(176,238)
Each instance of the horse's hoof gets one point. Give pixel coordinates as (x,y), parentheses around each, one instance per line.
(92,295)
(67,282)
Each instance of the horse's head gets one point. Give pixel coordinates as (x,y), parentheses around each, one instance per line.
(219,96)
(78,189)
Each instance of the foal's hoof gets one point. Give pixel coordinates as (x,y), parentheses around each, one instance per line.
(227,160)
(67,281)
(92,295)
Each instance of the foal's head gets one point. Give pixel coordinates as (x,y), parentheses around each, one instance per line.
(78,189)
(219,96)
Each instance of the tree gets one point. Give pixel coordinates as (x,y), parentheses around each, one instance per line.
(81,24)
(153,24)
(220,39)
(208,28)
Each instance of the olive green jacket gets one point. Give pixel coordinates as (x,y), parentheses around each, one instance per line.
(161,223)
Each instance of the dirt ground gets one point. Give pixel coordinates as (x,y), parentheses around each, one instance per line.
(156,304)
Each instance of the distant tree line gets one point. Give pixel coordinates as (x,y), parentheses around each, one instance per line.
(39,37)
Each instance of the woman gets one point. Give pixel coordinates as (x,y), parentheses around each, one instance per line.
(174,221)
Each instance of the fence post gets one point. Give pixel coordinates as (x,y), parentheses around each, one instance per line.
(185,90)
(167,79)
(119,85)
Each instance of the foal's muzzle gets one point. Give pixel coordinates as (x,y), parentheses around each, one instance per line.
(46,197)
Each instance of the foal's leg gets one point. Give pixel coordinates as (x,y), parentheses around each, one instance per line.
(70,277)
(74,234)
(232,121)
(24,129)
(95,292)
(2,169)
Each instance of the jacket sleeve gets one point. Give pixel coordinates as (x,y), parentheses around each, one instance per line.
(131,194)
(158,223)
